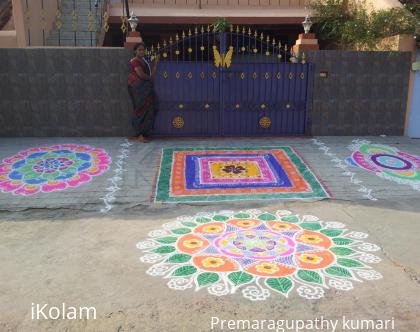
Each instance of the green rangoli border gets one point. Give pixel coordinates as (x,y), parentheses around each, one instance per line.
(164,179)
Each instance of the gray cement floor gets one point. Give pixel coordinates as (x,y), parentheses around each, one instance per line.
(142,161)
(59,247)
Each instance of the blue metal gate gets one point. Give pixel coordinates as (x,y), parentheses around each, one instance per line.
(230,84)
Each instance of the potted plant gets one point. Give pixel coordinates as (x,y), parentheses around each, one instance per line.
(221,25)
(219,29)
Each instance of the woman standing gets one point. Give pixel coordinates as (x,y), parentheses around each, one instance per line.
(140,88)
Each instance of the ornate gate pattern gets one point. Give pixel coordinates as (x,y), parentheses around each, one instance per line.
(230,84)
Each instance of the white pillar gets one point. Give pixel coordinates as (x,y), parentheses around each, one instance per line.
(413,129)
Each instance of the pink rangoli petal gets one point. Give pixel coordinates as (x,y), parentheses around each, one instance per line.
(359,158)
(48,187)
(12,160)
(5,168)
(27,190)
(78,179)
(103,160)
(10,185)
(33,150)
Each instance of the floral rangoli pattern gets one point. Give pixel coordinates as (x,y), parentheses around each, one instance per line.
(51,168)
(260,253)
(386,162)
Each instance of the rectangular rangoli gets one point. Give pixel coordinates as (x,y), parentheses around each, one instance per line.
(219,174)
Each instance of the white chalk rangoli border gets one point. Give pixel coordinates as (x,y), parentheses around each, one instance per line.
(367,193)
(119,169)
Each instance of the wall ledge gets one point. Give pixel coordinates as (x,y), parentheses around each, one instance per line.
(8,39)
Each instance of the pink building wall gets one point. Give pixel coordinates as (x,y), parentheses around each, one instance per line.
(29,23)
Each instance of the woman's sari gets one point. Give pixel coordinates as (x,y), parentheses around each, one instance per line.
(143,97)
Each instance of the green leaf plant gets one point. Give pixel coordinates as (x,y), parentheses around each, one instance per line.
(221,25)
(353,24)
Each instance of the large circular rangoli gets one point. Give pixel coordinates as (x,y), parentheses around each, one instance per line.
(260,253)
(51,168)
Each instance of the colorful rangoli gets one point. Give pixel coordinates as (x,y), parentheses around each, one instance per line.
(386,162)
(51,168)
(196,174)
(260,253)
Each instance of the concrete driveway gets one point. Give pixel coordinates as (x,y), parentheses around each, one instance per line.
(78,247)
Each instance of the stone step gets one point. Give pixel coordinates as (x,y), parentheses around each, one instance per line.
(84,26)
(77,2)
(84,37)
(71,34)
(81,18)
(79,8)
(81,3)
(82,22)
(85,12)
(70,42)
(71,4)
(82,11)
(80,26)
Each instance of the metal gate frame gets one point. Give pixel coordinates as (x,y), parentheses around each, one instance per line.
(202,78)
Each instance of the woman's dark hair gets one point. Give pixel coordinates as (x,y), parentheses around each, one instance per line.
(138,45)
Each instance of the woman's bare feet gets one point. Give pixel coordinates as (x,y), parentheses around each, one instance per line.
(142,139)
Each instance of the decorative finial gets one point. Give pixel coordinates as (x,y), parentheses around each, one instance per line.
(307,24)
(133,21)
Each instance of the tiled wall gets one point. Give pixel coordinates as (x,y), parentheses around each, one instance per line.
(365,93)
(82,92)
(64,92)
